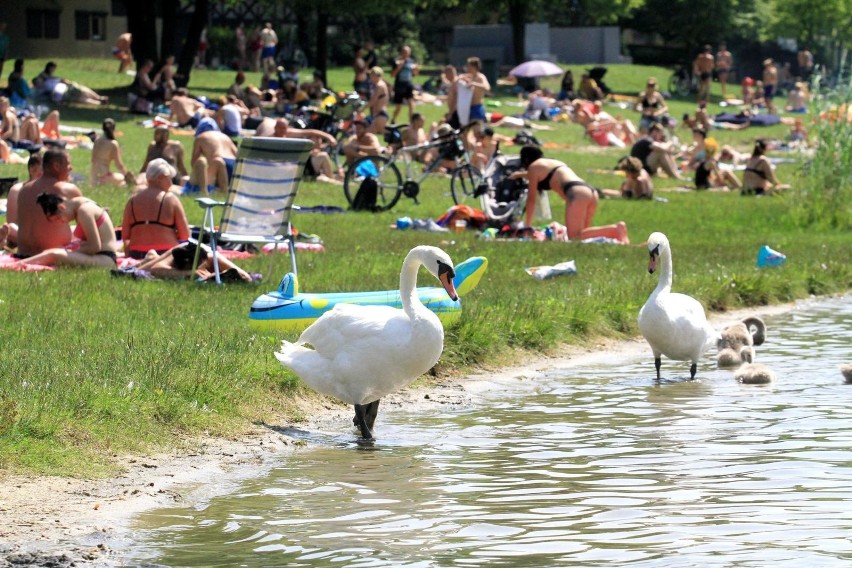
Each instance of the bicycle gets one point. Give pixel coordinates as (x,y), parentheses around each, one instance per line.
(683,82)
(384,168)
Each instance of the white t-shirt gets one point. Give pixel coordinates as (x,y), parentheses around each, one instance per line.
(232,118)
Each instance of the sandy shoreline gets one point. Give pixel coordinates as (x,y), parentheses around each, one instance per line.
(83,522)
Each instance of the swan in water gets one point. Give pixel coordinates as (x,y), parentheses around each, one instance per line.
(736,344)
(361,353)
(673,324)
(754,374)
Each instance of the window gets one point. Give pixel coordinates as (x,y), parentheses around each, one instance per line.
(90,25)
(43,24)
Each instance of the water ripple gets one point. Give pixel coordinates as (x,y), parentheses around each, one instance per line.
(596,466)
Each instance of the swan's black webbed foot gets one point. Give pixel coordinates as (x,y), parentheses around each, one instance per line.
(370,412)
(658,362)
(692,370)
(361,422)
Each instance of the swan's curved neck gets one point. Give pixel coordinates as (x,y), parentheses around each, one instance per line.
(408,283)
(665,282)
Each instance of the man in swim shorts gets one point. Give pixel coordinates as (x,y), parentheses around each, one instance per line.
(476,80)
(703,68)
(214,155)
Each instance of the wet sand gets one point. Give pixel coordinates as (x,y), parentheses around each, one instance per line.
(73,522)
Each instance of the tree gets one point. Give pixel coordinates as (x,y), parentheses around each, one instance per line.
(826,24)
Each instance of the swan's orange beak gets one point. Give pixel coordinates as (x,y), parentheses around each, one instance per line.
(446,279)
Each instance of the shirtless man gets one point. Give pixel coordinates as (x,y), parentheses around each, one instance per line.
(378,103)
(35,232)
(169,150)
(414,135)
(702,67)
(214,156)
(185,110)
(9,230)
(319,164)
(770,83)
(363,143)
(105,152)
(724,64)
(269,40)
(474,78)
(121,51)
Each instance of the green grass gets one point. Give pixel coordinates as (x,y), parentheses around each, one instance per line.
(95,366)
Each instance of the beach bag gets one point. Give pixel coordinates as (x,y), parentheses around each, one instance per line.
(365,198)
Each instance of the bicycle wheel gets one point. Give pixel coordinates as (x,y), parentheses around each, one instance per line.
(463,184)
(386,174)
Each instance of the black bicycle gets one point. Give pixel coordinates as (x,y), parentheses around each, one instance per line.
(385,169)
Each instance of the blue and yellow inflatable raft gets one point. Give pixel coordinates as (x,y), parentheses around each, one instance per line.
(286,309)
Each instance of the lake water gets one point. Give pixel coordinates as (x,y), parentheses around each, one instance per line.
(592,466)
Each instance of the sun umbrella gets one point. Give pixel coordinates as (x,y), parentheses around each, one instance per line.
(536,68)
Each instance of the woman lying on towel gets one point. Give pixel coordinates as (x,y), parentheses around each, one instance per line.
(176,263)
(95,231)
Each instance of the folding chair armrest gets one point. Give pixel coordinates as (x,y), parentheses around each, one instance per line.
(208,203)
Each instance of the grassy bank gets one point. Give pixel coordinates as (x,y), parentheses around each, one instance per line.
(93,366)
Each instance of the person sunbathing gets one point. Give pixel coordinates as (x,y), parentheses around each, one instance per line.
(97,247)
(106,151)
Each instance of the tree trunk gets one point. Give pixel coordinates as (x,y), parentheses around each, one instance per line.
(302,33)
(168,36)
(517,15)
(190,43)
(321,60)
(142,24)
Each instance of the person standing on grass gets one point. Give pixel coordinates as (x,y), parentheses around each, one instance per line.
(724,64)
(378,103)
(403,73)
(770,84)
(474,79)
(702,68)
(268,41)
(581,199)
(35,232)
(121,51)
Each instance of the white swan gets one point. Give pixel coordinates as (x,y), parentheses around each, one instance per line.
(674,325)
(362,353)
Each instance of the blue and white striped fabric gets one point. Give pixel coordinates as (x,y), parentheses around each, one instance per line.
(263,189)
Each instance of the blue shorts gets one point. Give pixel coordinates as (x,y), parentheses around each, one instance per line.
(229,165)
(229,132)
(477,112)
(268,52)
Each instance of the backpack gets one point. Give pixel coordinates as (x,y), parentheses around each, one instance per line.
(525,137)
(365,198)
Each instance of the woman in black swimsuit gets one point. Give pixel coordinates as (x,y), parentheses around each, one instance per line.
(154,218)
(581,199)
(759,176)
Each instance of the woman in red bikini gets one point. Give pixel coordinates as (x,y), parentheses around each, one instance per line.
(95,231)
(581,199)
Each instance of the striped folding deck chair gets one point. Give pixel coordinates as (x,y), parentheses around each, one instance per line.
(260,197)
